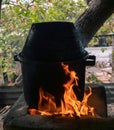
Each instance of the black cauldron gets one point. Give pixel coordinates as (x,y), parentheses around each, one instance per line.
(47,45)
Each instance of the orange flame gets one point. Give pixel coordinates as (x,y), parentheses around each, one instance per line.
(70,105)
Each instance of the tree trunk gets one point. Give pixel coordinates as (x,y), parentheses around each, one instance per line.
(93,18)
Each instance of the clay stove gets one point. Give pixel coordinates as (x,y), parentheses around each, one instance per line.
(49,47)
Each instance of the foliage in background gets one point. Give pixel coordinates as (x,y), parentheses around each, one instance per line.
(92,79)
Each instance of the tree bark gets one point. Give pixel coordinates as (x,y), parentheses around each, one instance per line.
(93,18)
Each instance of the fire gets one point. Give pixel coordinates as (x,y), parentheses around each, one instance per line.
(70,105)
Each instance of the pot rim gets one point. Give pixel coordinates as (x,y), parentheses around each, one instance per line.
(21,59)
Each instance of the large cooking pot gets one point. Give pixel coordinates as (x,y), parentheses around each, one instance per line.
(47,45)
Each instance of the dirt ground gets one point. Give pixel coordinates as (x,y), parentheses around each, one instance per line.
(103,74)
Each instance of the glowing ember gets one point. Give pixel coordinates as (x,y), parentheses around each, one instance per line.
(70,105)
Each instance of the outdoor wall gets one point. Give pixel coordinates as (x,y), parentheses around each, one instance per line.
(103,67)
(101,53)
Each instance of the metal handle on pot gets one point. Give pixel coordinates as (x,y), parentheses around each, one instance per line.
(90,61)
(17,58)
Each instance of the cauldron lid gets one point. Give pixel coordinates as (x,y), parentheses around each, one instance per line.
(53,41)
